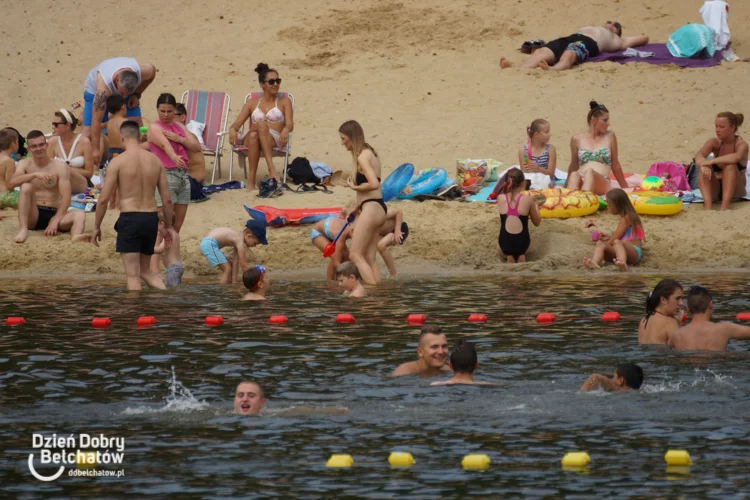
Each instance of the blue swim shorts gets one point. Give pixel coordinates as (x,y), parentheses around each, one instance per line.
(210,249)
(88,110)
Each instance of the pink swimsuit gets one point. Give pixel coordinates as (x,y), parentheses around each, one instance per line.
(179,149)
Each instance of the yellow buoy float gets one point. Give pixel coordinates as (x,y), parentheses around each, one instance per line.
(655,203)
(563,203)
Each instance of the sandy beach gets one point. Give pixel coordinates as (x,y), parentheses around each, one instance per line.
(423,80)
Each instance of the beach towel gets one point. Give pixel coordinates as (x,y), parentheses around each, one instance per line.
(715,13)
(215,188)
(661,56)
(676,178)
(692,40)
(695,195)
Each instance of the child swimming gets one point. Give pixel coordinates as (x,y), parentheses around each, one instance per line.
(625,246)
(515,209)
(350,281)
(538,155)
(463,362)
(627,376)
(256,280)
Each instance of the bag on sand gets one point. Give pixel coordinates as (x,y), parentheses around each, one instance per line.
(471,175)
(301,172)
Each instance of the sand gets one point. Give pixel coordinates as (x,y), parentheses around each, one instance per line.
(422,78)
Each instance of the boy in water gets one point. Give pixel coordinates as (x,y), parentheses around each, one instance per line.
(253,234)
(8,146)
(349,280)
(463,362)
(249,398)
(257,282)
(627,376)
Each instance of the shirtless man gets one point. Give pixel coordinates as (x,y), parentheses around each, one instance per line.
(249,398)
(701,334)
(44,198)
(432,352)
(119,75)
(590,41)
(463,363)
(663,313)
(136,174)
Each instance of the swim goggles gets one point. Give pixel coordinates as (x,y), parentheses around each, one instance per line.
(262,271)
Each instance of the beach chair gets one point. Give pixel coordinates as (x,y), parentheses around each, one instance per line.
(211,109)
(277,152)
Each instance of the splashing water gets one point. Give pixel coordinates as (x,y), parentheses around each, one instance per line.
(180,400)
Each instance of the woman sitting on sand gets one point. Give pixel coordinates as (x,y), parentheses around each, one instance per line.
(365,180)
(71,149)
(594,155)
(271,121)
(723,176)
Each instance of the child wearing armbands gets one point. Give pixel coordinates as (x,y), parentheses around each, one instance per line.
(625,246)
(538,155)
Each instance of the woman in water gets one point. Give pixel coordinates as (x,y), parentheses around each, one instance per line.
(365,180)
(723,176)
(664,311)
(271,121)
(72,149)
(594,155)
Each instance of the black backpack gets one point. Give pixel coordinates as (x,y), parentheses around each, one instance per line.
(301,172)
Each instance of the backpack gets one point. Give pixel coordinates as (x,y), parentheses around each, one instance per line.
(269,188)
(301,172)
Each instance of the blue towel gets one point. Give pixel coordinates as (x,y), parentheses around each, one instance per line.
(691,40)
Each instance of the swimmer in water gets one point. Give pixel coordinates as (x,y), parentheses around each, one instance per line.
(350,281)
(432,353)
(663,313)
(249,398)
(627,376)
(256,280)
(463,362)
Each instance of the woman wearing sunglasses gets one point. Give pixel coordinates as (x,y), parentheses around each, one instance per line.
(271,121)
(72,149)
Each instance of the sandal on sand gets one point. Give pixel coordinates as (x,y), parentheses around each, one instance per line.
(532,45)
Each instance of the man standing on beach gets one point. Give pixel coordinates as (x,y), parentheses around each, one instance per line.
(136,174)
(119,75)
(432,352)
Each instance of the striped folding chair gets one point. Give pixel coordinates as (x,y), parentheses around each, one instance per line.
(277,152)
(211,109)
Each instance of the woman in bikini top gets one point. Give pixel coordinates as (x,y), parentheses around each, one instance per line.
(664,305)
(79,156)
(371,207)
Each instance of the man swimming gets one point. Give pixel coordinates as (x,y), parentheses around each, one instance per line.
(627,376)
(249,398)
(701,334)
(564,53)
(432,352)
(463,363)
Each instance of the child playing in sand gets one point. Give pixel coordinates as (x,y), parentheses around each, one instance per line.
(463,362)
(538,155)
(394,232)
(253,234)
(515,209)
(325,231)
(8,146)
(625,246)
(627,376)
(349,279)
(256,280)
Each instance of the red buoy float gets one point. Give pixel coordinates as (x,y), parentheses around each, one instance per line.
(477,318)
(743,316)
(345,318)
(545,318)
(101,322)
(416,319)
(611,316)
(214,320)
(146,321)
(14,320)
(278,319)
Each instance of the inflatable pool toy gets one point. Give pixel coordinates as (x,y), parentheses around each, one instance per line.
(427,182)
(563,203)
(655,203)
(143,130)
(396,181)
(652,183)
(279,217)
(603,205)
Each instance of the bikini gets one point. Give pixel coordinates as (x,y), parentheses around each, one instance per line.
(740,166)
(601,155)
(637,234)
(511,244)
(326,229)
(274,115)
(78,161)
(361,179)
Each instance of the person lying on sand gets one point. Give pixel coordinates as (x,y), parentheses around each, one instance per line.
(463,362)
(663,313)
(627,376)
(564,53)
(432,352)
(701,334)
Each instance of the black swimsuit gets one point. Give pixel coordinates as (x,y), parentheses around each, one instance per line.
(740,166)
(361,179)
(511,244)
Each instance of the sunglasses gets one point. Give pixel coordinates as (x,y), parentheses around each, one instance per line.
(55,124)
(273,81)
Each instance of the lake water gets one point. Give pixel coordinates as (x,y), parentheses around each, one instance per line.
(168,389)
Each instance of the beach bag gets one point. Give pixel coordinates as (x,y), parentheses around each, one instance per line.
(692,172)
(321,170)
(673,174)
(301,172)
(471,175)
(692,40)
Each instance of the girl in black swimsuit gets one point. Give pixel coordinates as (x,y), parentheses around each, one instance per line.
(515,242)
(371,216)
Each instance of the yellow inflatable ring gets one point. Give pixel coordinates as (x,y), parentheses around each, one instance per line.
(563,203)
(655,203)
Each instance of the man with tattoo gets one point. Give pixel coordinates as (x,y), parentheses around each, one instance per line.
(119,75)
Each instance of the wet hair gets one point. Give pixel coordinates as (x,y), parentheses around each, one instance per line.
(735,119)
(665,288)
(253,382)
(180,109)
(22,151)
(347,269)
(73,120)
(621,201)
(262,69)
(632,373)
(166,99)
(596,110)
(515,178)
(115,102)
(130,130)
(464,357)
(7,138)
(699,299)
(251,278)
(536,126)
(129,80)
(430,330)
(354,132)
(34,134)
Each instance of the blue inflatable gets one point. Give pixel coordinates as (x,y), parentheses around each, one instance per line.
(427,183)
(396,181)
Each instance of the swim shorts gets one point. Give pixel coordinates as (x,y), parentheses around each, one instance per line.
(45,215)
(583,47)
(179,187)
(136,232)
(210,249)
(88,110)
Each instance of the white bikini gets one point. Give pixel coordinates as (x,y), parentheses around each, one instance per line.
(274,115)
(77,162)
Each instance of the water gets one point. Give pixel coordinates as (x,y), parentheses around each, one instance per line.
(167,390)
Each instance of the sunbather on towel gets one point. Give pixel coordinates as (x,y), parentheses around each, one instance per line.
(564,53)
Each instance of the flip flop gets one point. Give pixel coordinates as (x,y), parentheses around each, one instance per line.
(304,188)
(322,188)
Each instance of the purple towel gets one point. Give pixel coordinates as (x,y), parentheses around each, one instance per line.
(661,56)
